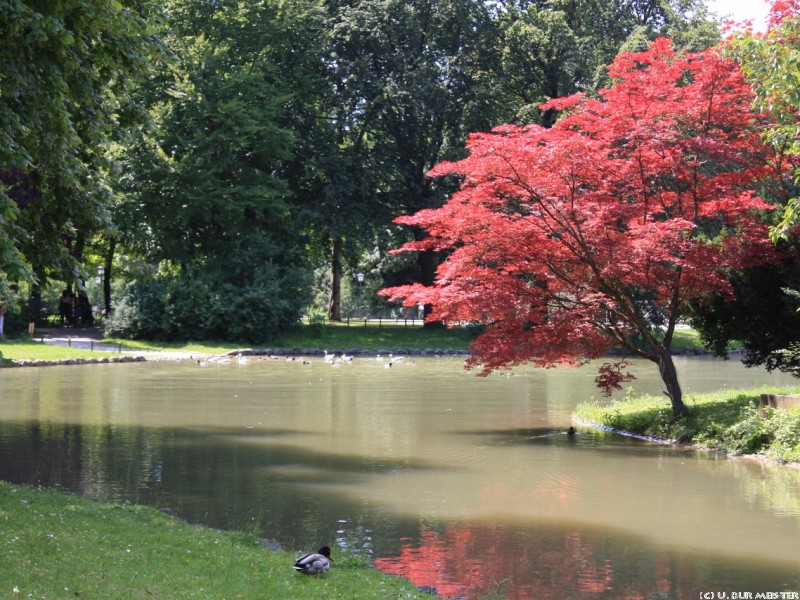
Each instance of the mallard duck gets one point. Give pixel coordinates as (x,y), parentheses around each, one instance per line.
(314,564)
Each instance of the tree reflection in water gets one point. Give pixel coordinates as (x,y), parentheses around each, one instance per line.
(468,560)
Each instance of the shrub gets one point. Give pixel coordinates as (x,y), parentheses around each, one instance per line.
(749,435)
(253,294)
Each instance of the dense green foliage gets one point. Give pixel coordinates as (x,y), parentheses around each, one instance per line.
(247,295)
(729,420)
(65,546)
(763,316)
(65,76)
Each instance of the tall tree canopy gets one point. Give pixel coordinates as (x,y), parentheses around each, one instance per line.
(409,79)
(555,48)
(211,168)
(207,185)
(596,233)
(64,95)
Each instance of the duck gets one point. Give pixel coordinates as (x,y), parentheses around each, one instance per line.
(314,564)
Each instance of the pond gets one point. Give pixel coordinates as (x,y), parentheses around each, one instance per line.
(463,483)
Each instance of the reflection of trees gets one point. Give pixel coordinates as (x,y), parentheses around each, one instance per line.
(773,488)
(467,559)
(102,462)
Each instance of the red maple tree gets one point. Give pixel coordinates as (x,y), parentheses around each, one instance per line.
(594,234)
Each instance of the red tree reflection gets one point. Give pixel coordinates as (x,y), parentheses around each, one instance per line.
(470,560)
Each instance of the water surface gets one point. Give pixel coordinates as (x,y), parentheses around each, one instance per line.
(463,483)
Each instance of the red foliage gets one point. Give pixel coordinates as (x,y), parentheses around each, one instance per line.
(567,241)
(781,10)
(611,376)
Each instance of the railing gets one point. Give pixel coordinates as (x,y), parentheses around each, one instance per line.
(380,321)
(367,320)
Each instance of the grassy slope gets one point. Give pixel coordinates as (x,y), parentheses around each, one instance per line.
(728,420)
(60,546)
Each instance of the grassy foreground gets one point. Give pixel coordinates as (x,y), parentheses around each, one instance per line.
(64,546)
(728,420)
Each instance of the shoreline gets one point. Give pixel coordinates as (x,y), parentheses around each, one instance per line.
(759,458)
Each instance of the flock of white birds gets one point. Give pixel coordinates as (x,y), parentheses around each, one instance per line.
(331,359)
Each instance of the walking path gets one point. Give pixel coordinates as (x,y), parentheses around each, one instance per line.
(75,337)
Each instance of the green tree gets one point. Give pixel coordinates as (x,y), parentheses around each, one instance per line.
(210,168)
(412,79)
(65,69)
(556,48)
(210,178)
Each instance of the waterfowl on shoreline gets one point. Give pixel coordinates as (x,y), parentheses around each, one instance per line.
(314,564)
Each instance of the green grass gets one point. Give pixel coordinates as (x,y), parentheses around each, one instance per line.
(25,348)
(686,338)
(332,336)
(727,420)
(389,336)
(64,546)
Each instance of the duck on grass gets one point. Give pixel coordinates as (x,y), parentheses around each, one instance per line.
(314,564)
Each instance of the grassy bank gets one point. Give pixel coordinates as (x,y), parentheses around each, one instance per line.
(728,420)
(26,348)
(333,336)
(388,336)
(65,546)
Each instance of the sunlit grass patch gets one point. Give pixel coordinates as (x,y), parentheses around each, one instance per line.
(727,419)
(25,348)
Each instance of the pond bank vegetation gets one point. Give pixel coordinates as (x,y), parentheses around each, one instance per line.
(727,420)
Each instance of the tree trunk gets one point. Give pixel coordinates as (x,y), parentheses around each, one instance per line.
(335,299)
(109,261)
(427,264)
(669,375)
(35,306)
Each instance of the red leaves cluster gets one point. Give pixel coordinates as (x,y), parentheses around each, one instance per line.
(566,241)
(611,376)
